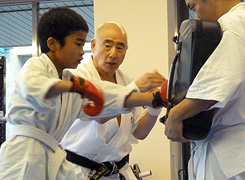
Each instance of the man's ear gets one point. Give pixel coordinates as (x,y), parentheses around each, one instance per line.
(52,43)
(92,45)
(126,48)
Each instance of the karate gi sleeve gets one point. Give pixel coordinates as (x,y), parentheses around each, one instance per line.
(222,76)
(33,82)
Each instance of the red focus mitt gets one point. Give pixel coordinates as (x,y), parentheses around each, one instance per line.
(160,97)
(164,91)
(90,91)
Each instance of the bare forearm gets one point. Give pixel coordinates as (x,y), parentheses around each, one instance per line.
(145,125)
(138,99)
(188,108)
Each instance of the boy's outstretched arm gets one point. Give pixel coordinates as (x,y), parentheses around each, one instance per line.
(86,89)
(95,94)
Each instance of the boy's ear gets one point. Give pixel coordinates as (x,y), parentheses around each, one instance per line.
(52,43)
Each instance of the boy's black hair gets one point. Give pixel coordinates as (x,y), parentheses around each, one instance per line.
(58,23)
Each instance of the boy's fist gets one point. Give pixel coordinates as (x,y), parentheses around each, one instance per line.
(90,91)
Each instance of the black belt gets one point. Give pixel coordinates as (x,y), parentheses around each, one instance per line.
(102,169)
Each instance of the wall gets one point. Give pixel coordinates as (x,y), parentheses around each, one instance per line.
(149,25)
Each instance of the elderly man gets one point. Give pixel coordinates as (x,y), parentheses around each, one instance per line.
(94,143)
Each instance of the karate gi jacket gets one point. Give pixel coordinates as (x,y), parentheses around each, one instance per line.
(102,142)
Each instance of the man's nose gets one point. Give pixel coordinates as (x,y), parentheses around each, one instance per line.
(113,52)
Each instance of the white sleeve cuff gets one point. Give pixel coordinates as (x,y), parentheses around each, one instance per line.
(153,111)
(134,86)
(124,93)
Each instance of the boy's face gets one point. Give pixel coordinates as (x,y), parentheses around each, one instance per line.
(70,55)
(204,9)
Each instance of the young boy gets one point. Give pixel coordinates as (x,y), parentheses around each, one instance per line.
(47,100)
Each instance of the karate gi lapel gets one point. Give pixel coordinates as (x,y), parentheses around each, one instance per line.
(121,136)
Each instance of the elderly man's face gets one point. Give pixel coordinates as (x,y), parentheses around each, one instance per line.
(109,50)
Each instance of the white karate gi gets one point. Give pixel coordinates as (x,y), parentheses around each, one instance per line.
(222,78)
(33,152)
(102,142)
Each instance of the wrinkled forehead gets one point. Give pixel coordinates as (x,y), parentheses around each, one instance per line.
(111,31)
(113,37)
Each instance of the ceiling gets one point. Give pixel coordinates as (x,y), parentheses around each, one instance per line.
(16,20)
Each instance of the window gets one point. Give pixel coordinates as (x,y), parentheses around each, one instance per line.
(17,36)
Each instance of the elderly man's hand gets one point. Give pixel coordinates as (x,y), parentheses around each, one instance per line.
(150,81)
